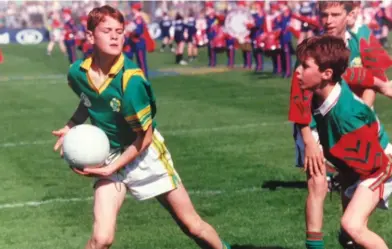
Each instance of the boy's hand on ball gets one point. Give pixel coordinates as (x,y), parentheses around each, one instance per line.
(60,134)
(80,172)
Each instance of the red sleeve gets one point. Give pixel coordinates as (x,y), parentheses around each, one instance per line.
(374,57)
(300,102)
(359,77)
(361,151)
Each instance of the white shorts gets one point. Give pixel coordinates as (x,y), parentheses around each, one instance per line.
(150,174)
(300,146)
(385,188)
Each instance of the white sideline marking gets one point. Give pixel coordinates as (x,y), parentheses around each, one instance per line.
(169,132)
(68,200)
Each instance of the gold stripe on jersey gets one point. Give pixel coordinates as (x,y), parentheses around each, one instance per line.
(128,74)
(140,114)
(140,121)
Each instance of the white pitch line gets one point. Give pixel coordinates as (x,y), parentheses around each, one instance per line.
(69,200)
(169,132)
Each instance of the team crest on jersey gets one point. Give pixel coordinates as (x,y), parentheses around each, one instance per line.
(86,101)
(115,104)
(356,62)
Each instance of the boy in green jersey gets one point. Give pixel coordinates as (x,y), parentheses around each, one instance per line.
(350,134)
(118,99)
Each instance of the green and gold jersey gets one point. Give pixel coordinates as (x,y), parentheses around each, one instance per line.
(122,106)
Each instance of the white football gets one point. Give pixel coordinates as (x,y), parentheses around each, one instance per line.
(86,145)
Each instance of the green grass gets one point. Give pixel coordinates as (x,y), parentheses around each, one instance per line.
(227,132)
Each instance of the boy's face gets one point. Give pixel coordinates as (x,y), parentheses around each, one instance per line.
(351,18)
(334,19)
(108,36)
(309,75)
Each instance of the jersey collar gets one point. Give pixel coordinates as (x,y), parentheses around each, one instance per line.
(86,64)
(330,102)
(347,37)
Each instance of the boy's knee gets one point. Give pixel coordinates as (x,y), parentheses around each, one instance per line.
(318,186)
(102,239)
(352,227)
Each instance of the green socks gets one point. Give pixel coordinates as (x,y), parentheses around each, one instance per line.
(225,245)
(314,240)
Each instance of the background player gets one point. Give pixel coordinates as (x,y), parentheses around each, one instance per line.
(191,32)
(55,33)
(179,38)
(165,24)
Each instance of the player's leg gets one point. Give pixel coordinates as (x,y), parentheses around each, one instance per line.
(249,59)
(165,41)
(179,205)
(108,198)
(180,52)
(279,61)
(210,54)
(286,60)
(230,56)
(260,60)
(274,58)
(141,58)
(153,175)
(71,50)
(189,48)
(314,211)
(50,46)
(355,218)
(317,191)
(171,44)
(62,46)
(346,179)
(213,57)
(195,50)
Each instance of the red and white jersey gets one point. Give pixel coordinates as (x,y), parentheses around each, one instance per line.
(219,40)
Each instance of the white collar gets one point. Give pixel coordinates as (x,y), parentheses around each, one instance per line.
(347,37)
(330,102)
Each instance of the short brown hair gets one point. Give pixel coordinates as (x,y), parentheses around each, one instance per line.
(98,14)
(348,5)
(327,51)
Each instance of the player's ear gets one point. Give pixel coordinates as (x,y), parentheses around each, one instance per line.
(327,74)
(90,37)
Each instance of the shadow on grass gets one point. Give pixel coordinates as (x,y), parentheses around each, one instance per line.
(255,247)
(273,185)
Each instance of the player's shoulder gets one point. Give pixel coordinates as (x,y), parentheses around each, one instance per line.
(350,111)
(133,76)
(364,32)
(74,68)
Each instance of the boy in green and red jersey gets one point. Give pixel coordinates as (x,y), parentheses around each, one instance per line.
(367,64)
(350,134)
